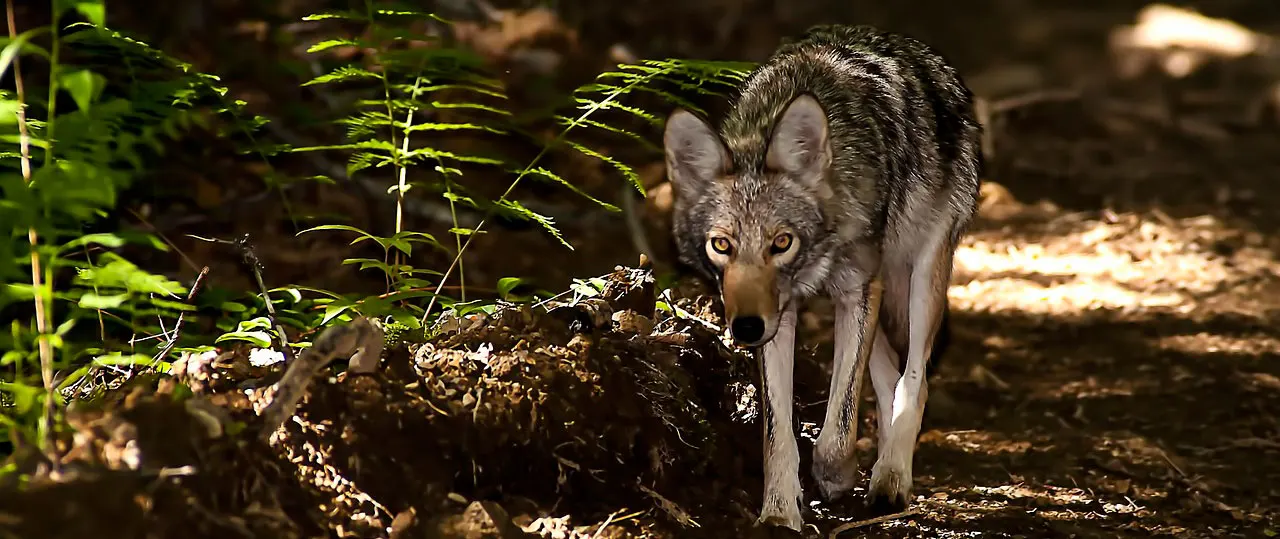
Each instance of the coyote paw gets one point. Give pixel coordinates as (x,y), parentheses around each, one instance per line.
(782,506)
(890,490)
(834,472)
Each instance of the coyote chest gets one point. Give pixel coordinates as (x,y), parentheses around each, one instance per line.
(848,163)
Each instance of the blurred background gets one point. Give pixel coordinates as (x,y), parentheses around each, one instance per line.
(1056,71)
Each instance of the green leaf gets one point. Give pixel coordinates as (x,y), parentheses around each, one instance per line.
(335,309)
(121,274)
(80,189)
(507,284)
(260,339)
(92,300)
(13,357)
(344,74)
(93,10)
(627,172)
(83,85)
(293,293)
(113,240)
(407,318)
(547,174)
(346,15)
(105,239)
(15,46)
(366,263)
(255,330)
(331,43)
(516,209)
(363,235)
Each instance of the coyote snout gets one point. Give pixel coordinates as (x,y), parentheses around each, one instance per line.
(751,302)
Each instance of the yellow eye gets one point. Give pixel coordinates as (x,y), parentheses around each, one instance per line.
(781,243)
(720,244)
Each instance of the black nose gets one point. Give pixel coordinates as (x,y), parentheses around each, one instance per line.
(747,329)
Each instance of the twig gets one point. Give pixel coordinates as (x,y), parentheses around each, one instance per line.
(1170,461)
(158,232)
(606,524)
(862,523)
(42,314)
(635,225)
(171,336)
(250,258)
(255,266)
(177,326)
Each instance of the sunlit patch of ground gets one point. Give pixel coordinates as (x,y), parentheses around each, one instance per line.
(1127,264)
(1221,344)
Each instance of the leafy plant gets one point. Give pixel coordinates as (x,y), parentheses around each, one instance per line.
(70,148)
(77,134)
(428,88)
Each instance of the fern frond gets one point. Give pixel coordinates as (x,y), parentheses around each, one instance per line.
(555,178)
(592,104)
(472,106)
(333,43)
(416,128)
(638,139)
(358,145)
(418,154)
(349,15)
(481,86)
(627,172)
(516,209)
(344,74)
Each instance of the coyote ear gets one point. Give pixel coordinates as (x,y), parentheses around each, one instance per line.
(800,146)
(695,155)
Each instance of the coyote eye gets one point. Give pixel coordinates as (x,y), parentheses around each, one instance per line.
(781,243)
(720,244)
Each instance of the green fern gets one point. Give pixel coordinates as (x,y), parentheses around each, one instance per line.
(127,101)
(667,80)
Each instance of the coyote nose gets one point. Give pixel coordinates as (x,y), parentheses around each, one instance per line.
(747,329)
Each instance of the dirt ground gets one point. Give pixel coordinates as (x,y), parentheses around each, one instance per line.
(1113,370)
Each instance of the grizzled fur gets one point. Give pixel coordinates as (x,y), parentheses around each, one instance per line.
(848,164)
(901,123)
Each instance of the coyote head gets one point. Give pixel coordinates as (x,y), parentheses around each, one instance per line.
(752,218)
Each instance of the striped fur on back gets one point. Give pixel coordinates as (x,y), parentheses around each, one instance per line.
(900,117)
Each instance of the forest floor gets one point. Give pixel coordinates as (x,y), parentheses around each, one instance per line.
(1114,369)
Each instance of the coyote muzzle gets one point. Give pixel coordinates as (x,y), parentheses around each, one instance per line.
(751,302)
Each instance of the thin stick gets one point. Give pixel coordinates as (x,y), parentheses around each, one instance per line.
(862,523)
(172,336)
(635,226)
(606,524)
(177,327)
(255,266)
(37,284)
(1171,463)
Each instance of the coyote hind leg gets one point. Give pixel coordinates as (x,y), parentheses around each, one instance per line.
(890,488)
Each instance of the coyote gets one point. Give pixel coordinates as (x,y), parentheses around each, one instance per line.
(848,164)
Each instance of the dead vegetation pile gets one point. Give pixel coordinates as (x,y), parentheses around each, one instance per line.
(492,429)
